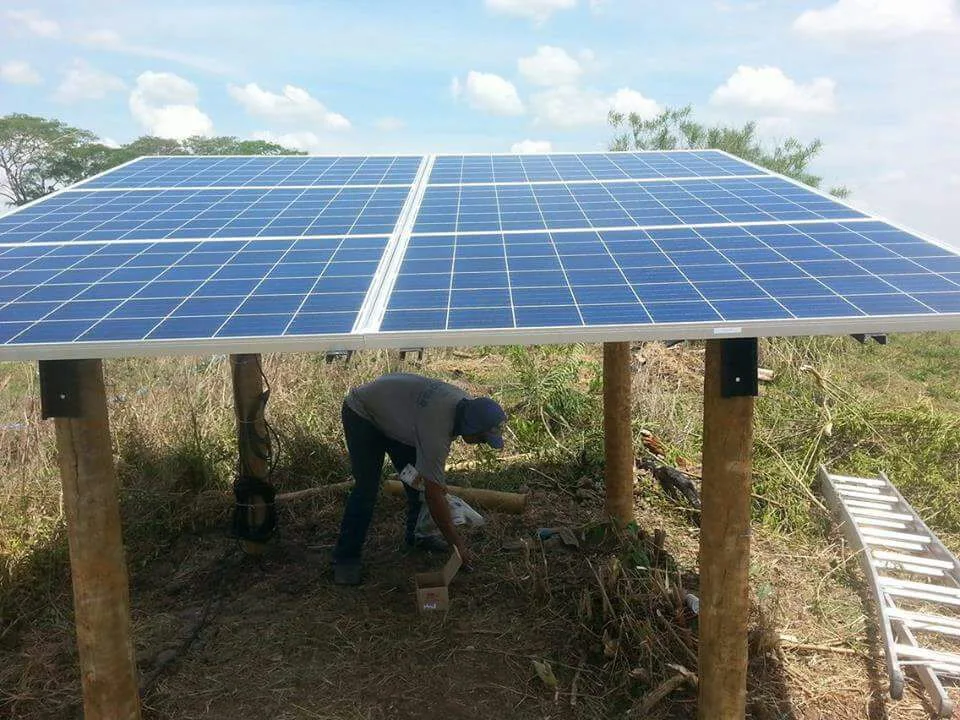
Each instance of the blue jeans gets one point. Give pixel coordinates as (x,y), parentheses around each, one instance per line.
(367,446)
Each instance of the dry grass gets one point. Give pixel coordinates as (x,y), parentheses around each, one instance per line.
(222,635)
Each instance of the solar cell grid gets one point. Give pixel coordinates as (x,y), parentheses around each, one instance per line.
(159,214)
(514,280)
(204,251)
(187,171)
(611,205)
(458,169)
(216,289)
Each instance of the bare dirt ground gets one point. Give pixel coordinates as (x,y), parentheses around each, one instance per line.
(221,634)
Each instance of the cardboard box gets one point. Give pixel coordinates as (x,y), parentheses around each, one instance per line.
(433,591)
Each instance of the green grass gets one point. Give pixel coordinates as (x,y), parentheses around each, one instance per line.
(860,409)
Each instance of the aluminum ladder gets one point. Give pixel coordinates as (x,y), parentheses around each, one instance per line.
(914,579)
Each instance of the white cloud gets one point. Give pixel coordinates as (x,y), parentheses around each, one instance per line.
(488,92)
(111,41)
(109,142)
(19,72)
(551,66)
(294,106)
(880,19)
(389,124)
(532,146)
(85,82)
(569,106)
(35,23)
(101,38)
(768,89)
(536,10)
(630,102)
(166,105)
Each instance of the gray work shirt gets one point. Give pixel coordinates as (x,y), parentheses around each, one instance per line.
(413,410)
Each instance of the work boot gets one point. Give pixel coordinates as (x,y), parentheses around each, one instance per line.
(347,574)
(431,543)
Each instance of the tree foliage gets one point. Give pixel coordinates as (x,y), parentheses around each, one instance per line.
(39,155)
(676,129)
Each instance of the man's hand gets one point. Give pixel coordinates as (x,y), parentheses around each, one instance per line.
(436,496)
(468,558)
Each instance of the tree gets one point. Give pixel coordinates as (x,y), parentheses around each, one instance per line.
(38,154)
(675,129)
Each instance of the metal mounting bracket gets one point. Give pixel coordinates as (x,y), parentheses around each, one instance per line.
(738,368)
(60,389)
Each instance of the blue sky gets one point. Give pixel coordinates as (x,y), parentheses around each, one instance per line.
(875,79)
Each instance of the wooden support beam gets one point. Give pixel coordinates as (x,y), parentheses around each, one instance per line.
(618,432)
(247,377)
(725,533)
(247,389)
(101,594)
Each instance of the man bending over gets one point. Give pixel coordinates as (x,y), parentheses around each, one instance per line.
(413,420)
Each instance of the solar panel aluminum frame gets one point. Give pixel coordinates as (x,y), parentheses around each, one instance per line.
(81,185)
(366,334)
(686,331)
(337,342)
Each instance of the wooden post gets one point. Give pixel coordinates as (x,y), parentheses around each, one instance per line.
(101,594)
(247,389)
(618,432)
(725,538)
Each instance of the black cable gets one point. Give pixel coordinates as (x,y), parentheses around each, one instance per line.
(254,493)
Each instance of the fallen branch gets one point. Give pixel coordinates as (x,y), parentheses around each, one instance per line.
(788,641)
(667,687)
(488,499)
(675,483)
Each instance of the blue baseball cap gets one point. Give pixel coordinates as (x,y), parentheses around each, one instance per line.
(483,416)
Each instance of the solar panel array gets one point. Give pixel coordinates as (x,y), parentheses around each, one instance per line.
(189,254)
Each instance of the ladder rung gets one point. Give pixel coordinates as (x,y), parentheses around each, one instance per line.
(913,569)
(886,582)
(922,653)
(913,559)
(925,623)
(880,514)
(857,488)
(893,535)
(920,595)
(867,505)
(898,544)
(872,482)
(872,497)
(938,668)
(878,523)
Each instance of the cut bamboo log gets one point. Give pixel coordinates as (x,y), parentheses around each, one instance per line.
(488,499)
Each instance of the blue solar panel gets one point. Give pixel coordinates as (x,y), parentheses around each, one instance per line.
(679,275)
(189,254)
(554,206)
(158,214)
(459,169)
(204,172)
(165,290)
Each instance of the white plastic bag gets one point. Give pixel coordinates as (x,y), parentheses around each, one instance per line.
(460,511)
